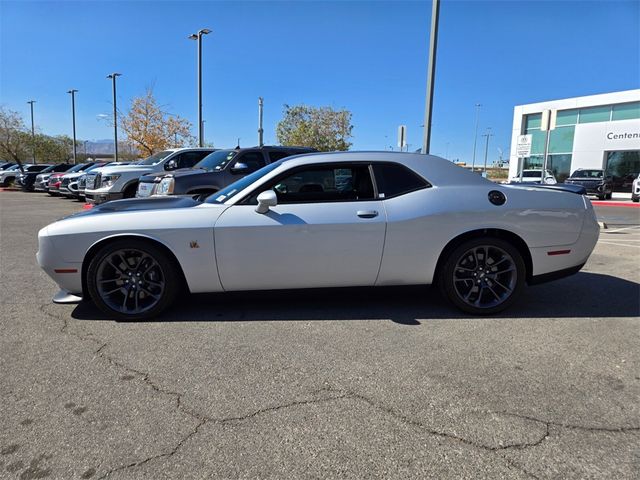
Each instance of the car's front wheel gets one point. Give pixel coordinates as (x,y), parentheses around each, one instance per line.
(132,279)
(483,276)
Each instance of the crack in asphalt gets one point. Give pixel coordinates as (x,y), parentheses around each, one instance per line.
(338,395)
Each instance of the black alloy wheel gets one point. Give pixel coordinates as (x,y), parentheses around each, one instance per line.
(132,279)
(483,276)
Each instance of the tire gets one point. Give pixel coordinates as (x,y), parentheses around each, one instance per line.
(635,199)
(466,268)
(601,197)
(130,191)
(608,196)
(157,282)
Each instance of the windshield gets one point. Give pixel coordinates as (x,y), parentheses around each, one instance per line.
(155,158)
(587,174)
(232,190)
(216,160)
(532,173)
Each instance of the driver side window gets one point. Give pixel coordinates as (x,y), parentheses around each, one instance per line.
(322,183)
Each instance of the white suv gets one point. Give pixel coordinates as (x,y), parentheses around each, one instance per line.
(113,183)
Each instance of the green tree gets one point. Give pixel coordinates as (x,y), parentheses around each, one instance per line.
(322,128)
(15,144)
(52,149)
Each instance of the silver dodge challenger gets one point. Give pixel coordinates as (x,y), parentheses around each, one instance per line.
(325,220)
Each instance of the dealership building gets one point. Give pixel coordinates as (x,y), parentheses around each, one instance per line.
(597,131)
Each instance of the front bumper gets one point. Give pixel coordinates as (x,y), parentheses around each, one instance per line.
(67,275)
(99,197)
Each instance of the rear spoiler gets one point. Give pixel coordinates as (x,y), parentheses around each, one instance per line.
(563,187)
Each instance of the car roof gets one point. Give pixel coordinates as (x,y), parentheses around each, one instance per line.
(436,170)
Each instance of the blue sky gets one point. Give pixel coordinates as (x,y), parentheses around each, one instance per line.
(367,56)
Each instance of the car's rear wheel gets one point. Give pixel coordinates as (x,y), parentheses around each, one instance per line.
(132,279)
(483,276)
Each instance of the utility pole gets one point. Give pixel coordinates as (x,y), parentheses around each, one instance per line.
(33,132)
(73,119)
(486,149)
(113,77)
(260,130)
(475,137)
(198,36)
(431,71)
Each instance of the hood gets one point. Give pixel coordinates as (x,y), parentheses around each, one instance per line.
(181,172)
(137,204)
(73,175)
(122,168)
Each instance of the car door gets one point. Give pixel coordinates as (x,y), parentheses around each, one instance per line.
(326,231)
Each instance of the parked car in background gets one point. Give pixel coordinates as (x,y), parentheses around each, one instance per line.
(594,181)
(113,183)
(9,176)
(69,183)
(214,172)
(81,184)
(4,165)
(534,175)
(635,189)
(21,176)
(55,180)
(28,180)
(325,220)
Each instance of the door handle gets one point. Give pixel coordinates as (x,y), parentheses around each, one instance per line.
(367,213)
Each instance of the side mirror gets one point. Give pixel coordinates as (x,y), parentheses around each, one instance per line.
(171,165)
(266,199)
(240,167)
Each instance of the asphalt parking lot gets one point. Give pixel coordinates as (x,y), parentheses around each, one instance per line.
(358,383)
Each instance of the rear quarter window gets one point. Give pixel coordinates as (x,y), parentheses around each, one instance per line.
(393,179)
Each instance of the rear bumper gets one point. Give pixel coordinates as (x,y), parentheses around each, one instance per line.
(557,275)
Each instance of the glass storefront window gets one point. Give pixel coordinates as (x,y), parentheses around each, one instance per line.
(595,114)
(623,167)
(560,165)
(538,139)
(626,111)
(534,161)
(567,117)
(561,139)
(533,121)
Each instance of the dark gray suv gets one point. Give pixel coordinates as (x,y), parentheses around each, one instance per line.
(214,172)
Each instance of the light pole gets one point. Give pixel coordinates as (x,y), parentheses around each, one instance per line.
(113,77)
(198,37)
(260,130)
(33,132)
(431,70)
(475,137)
(73,119)
(486,149)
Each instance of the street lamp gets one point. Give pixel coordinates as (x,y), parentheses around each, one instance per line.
(33,133)
(486,149)
(431,71)
(113,77)
(198,37)
(475,138)
(73,119)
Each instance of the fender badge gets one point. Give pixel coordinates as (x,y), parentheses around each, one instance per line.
(193,244)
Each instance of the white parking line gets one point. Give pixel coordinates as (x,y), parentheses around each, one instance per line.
(620,244)
(635,227)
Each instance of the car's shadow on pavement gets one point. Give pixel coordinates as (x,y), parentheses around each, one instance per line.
(582,296)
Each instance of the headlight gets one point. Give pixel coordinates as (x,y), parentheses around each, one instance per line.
(166,186)
(109,180)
